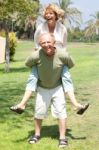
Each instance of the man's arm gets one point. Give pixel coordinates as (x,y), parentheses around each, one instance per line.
(68,60)
(32,60)
(29,61)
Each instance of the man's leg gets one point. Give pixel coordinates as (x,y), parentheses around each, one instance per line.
(36,136)
(41,107)
(38,123)
(58,109)
(62,128)
(63,142)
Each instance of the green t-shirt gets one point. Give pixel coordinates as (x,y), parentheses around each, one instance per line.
(49,68)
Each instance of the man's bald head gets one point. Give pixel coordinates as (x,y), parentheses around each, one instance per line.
(47,42)
(46,36)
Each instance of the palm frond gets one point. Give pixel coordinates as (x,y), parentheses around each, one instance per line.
(72,14)
(92,25)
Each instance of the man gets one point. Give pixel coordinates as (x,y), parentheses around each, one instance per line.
(49,61)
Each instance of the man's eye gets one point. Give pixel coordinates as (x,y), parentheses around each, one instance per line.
(42,43)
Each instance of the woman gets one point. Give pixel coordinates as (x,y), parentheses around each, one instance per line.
(53,16)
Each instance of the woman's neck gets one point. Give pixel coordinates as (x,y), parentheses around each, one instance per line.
(51,27)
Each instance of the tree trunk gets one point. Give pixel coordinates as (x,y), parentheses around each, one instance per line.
(7,51)
(97,30)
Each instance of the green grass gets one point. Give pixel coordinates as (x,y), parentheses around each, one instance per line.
(83,131)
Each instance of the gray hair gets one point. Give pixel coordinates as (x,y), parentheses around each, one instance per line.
(50,34)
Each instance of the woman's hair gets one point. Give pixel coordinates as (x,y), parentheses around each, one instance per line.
(59,13)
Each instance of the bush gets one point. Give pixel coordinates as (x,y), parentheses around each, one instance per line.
(2,33)
(12,45)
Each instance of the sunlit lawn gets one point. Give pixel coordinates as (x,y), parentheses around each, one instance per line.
(83,131)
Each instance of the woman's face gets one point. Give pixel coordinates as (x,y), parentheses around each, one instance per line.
(50,16)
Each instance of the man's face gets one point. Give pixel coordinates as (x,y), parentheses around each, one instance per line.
(47,44)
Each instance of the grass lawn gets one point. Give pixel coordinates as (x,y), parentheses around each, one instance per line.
(83,131)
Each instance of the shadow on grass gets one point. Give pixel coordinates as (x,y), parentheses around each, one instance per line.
(22,69)
(75,137)
(51,132)
(14,70)
(11,94)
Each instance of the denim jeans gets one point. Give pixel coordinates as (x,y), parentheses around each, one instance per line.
(66,79)
(32,80)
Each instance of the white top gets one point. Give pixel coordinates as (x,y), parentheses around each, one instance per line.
(60,34)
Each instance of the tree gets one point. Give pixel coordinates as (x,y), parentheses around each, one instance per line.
(92,28)
(75,35)
(72,14)
(15,10)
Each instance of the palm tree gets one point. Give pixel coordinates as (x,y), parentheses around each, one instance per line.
(72,14)
(92,25)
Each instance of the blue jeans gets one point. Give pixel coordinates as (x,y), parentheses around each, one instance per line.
(66,79)
(32,80)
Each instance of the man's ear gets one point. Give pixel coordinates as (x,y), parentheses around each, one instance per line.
(40,43)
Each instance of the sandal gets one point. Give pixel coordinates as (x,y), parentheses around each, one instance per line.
(34,139)
(63,143)
(82,110)
(16,109)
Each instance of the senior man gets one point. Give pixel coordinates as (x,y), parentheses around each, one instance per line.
(49,61)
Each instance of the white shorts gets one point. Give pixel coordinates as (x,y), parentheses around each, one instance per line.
(55,98)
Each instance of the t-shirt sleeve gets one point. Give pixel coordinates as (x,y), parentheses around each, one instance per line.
(68,60)
(31,60)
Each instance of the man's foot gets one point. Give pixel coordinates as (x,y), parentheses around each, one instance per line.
(81,110)
(34,139)
(17,109)
(63,143)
